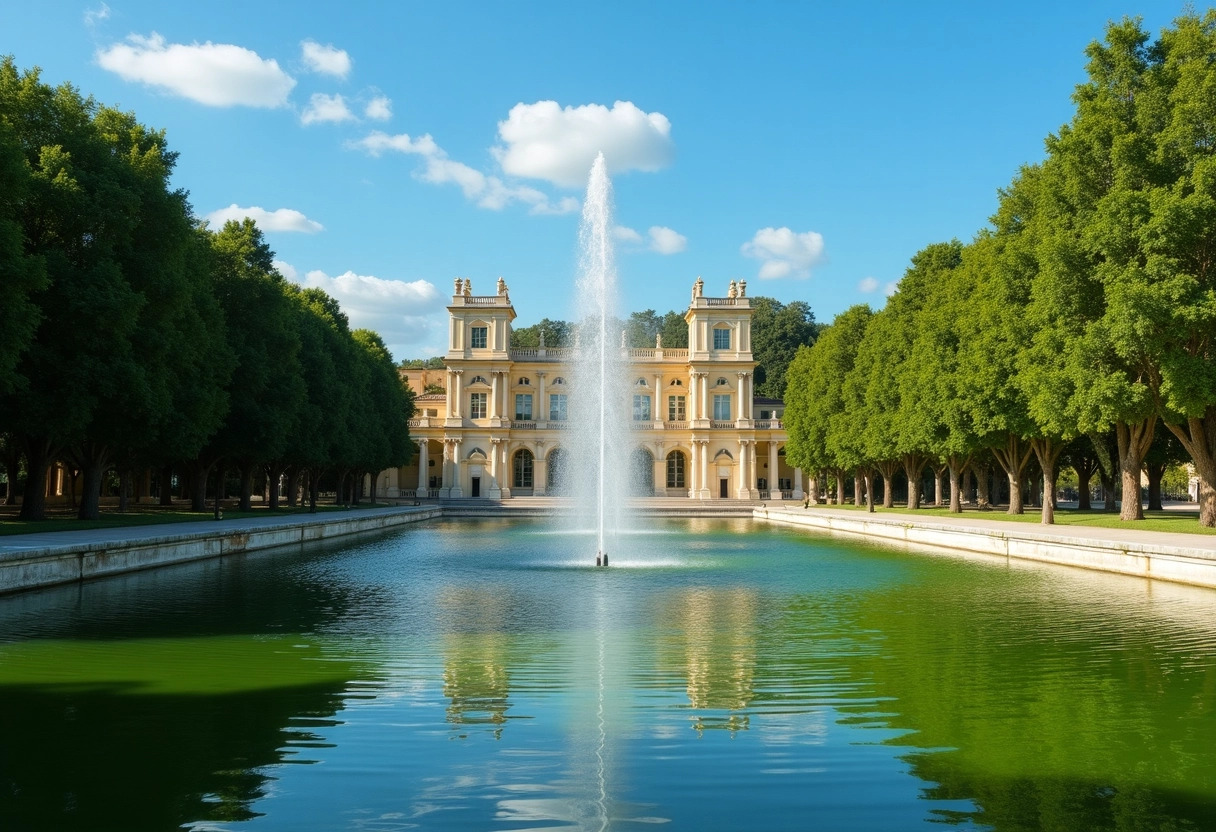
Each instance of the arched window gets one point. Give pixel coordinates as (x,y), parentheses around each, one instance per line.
(479,380)
(721,382)
(675,470)
(525,381)
(559,380)
(675,382)
(641,382)
(522,469)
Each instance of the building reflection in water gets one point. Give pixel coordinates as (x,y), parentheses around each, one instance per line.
(713,642)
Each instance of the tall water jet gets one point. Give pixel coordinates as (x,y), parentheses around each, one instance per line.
(598,413)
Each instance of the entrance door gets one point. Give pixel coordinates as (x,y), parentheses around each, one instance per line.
(722,487)
(476,487)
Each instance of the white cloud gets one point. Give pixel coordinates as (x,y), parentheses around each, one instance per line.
(215,74)
(545,141)
(379,108)
(284,219)
(487,191)
(666,241)
(326,108)
(92,16)
(785,253)
(408,316)
(868,284)
(626,234)
(325,59)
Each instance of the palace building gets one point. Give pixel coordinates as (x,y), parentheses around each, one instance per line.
(499,428)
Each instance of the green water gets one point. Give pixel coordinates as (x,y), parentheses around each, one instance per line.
(720,675)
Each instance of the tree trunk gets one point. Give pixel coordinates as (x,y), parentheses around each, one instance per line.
(939,494)
(868,475)
(839,487)
(956,468)
(914,464)
(1084,466)
(1134,439)
(293,486)
(1013,458)
(273,472)
(1155,471)
(1047,451)
(813,490)
(857,488)
(314,486)
(38,454)
(91,458)
(968,484)
(198,485)
(166,485)
(124,482)
(246,500)
(888,475)
(1198,437)
(1108,492)
(983,497)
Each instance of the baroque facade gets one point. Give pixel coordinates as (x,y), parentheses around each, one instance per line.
(499,429)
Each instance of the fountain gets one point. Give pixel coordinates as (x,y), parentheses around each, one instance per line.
(598,415)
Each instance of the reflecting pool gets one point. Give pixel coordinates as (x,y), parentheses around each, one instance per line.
(720,675)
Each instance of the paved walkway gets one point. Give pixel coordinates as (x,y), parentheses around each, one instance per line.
(159,531)
(994,523)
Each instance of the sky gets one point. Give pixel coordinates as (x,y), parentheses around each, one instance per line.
(386,148)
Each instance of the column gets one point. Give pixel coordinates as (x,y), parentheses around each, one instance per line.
(751,395)
(772,467)
(705,468)
(456,374)
(539,413)
(445,473)
(494,411)
(660,472)
(798,492)
(450,398)
(694,468)
(660,411)
(540,470)
(423,465)
(741,410)
(705,414)
(494,492)
(457,491)
(741,488)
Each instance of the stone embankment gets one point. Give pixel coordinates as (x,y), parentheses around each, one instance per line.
(31,561)
(1183,558)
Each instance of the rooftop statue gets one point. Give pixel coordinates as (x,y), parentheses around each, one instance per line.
(698,287)
(742,288)
(733,291)
(457,291)
(502,286)
(658,341)
(468,287)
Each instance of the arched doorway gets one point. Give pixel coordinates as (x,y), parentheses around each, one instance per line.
(676,466)
(558,473)
(521,471)
(641,473)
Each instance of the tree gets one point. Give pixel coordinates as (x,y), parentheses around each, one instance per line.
(21,274)
(778,330)
(557,334)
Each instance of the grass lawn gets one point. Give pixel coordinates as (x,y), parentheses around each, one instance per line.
(1175,521)
(62,518)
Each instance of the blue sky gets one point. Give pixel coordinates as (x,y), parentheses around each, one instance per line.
(810,148)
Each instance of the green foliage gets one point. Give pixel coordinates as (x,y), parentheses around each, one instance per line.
(778,330)
(557,334)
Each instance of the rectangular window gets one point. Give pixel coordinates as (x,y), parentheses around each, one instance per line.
(477,405)
(523,407)
(722,408)
(675,409)
(641,408)
(479,337)
(721,339)
(557,407)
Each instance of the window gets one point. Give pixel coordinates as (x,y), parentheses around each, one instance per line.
(641,408)
(477,405)
(675,382)
(557,407)
(523,407)
(641,382)
(479,337)
(722,408)
(525,381)
(766,414)
(559,381)
(522,469)
(675,409)
(722,339)
(721,382)
(675,470)
(479,380)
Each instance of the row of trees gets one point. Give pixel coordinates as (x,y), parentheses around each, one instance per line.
(134,337)
(1086,311)
(778,330)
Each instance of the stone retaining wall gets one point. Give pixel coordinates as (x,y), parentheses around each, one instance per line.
(50,565)
(1146,560)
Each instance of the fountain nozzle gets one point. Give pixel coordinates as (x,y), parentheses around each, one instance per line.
(601,558)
